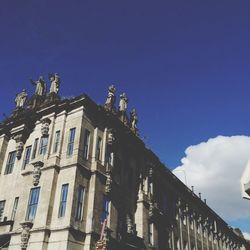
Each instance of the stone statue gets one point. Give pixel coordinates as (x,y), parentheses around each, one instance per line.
(123,103)
(40,86)
(133,120)
(21,99)
(110,102)
(55,83)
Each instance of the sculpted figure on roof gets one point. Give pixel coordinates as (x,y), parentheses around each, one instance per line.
(110,102)
(123,102)
(21,99)
(55,83)
(40,86)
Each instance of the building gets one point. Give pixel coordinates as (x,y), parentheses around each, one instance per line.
(75,175)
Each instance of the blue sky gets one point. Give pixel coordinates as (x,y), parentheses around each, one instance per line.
(183,64)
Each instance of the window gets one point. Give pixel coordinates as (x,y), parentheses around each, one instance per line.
(71,141)
(63,200)
(2,204)
(98,148)
(105,208)
(43,145)
(151,233)
(86,144)
(79,204)
(10,162)
(14,208)
(34,149)
(33,202)
(27,154)
(57,140)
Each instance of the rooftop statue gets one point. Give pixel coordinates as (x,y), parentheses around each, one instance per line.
(40,86)
(134,120)
(110,102)
(21,99)
(123,102)
(55,83)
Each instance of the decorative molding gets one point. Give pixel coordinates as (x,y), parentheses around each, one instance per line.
(25,234)
(37,172)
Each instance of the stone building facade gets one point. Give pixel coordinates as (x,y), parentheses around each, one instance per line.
(76,175)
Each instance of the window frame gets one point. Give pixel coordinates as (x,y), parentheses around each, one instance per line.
(34,152)
(43,148)
(80,203)
(10,162)
(57,141)
(86,144)
(105,208)
(63,200)
(27,155)
(99,148)
(32,207)
(14,209)
(71,141)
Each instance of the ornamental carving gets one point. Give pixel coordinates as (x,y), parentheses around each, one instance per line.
(25,235)
(130,225)
(45,127)
(20,135)
(19,149)
(111,137)
(37,172)
(108,185)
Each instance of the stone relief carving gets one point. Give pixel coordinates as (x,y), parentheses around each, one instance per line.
(37,172)
(130,224)
(45,127)
(25,235)
(111,137)
(19,145)
(21,99)
(40,86)
(19,149)
(110,102)
(108,185)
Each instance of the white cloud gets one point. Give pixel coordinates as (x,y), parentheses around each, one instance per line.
(246,236)
(214,168)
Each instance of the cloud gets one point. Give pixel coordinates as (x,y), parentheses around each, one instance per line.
(246,236)
(214,168)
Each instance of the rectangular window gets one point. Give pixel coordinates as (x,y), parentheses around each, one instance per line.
(151,233)
(2,204)
(13,214)
(43,145)
(72,132)
(63,200)
(57,140)
(10,162)
(98,148)
(34,149)
(79,204)
(33,202)
(86,144)
(105,208)
(26,159)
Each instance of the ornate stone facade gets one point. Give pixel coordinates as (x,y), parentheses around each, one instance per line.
(84,180)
